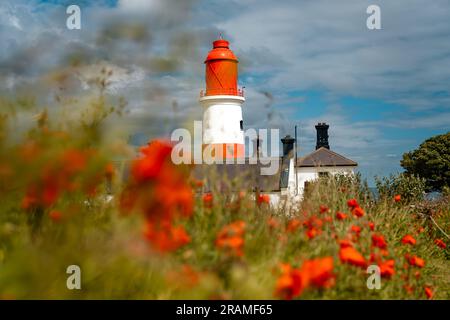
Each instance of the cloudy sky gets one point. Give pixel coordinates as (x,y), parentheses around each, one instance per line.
(382,91)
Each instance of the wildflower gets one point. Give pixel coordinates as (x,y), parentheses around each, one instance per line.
(55,215)
(345,243)
(371,226)
(208,200)
(74,160)
(328,219)
(355,229)
(379,241)
(293,225)
(312,233)
(352,203)
(290,284)
(351,256)
(150,166)
(230,238)
(440,243)
(428,292)
(341,216)
(165,237)
(318,272)
(263,198)
(416,261)
(397,198)
(387,268)
(324,209)
(358,212)
(408,239)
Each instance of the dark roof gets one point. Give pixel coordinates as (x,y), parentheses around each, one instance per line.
(324,157)
(236,177)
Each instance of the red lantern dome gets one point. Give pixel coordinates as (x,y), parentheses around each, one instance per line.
(221,71)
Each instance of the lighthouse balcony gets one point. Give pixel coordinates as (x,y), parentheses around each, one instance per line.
(222,92)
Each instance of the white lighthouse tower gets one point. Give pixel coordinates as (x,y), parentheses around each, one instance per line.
(223,135)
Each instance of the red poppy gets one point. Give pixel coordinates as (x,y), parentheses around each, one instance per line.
(345,243)
(155,157)
(324,209)
(230,238)
(440,243)
(397,198)
(428,292)
(358,212)
(165,237)
(371,226)
(290,284)
(387,268)
(318,272)
(356,229)
(408,239)
(293,225)
(416,261)
(263,198)
(351,256)
(341,216)
(379,241)
(208,200)
(352,203)
(312,233)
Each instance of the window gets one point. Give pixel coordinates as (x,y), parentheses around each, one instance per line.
(241,123)
(324,174)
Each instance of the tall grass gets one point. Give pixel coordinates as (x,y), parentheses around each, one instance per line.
(41,236)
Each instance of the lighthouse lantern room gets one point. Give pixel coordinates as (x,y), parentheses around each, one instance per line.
(223,134)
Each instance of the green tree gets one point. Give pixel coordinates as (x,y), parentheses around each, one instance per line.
(430,161)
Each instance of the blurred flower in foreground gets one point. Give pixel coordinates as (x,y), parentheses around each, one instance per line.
(387,268)
(230,238)
(159,190)
(352,256)
(313,273)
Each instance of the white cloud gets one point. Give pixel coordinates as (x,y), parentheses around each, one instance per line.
(140,5)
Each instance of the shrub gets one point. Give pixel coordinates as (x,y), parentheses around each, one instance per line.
(411,188)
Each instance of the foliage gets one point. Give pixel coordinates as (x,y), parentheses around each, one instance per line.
(430,161)
(410,188)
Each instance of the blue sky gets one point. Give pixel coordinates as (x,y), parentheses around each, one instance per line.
(382,92)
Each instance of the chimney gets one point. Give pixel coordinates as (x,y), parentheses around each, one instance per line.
(288,145)
(322,135)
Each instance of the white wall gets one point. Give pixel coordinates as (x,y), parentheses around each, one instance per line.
(306,174)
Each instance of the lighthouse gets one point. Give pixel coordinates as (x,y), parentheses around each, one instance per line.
(223,131)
